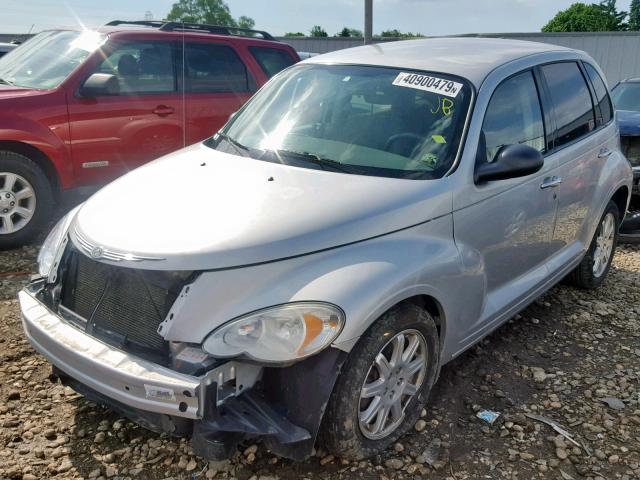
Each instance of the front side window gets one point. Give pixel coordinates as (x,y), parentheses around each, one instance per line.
(513,117)
(571,101)
(272,60)
(357,119)
(602,96)
(214,69)
(46,60)
(626,96)
(141,67)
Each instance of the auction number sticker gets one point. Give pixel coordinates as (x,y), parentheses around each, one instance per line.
(428,83)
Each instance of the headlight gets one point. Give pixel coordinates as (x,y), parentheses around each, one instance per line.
(278,334)
(49,250)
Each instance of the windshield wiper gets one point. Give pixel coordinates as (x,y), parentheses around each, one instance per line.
(233,142)
(6,82)
(321,162)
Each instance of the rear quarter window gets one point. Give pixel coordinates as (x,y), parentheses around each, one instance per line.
(571,101)
(272,60)
(605,111)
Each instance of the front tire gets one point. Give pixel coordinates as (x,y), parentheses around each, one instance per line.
(383,385)
(26,200)
(595,265)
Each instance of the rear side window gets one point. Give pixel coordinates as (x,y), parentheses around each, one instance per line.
(272,60)
(141,67)
(571,101)
(513,116)
(214,69)
(602,96)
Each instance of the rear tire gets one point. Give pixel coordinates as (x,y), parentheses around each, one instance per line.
(346,430)
(595,265)
(26,200)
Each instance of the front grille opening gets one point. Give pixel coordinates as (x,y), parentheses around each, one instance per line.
(121,306)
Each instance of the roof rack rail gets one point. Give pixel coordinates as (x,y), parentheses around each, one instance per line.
(194,27)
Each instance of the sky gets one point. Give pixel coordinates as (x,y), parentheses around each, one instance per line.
(428,17)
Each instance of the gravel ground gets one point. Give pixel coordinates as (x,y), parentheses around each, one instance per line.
(572,357)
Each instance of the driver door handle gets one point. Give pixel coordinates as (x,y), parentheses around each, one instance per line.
(162,110)
(550,182)
(604,152)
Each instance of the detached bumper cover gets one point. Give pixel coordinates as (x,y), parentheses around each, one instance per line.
(125,378)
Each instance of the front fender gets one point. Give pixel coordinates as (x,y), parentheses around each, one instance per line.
(365,279)
(52,139)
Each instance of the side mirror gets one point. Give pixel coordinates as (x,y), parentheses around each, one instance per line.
(512,161)
(100,84)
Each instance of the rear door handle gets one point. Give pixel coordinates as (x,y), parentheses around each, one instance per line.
(162,110)
(549,182)
(604,152)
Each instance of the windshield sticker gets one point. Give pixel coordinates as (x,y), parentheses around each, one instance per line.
(438,139)
(428,83)
(444,105)
(429,159)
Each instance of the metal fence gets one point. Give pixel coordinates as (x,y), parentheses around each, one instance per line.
(616,52)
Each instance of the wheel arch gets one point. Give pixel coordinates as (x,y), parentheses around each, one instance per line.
(37,156)
(621,199)
(433,308)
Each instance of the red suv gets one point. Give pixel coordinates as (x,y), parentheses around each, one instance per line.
(78,108)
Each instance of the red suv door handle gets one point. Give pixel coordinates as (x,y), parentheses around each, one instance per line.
(162,110)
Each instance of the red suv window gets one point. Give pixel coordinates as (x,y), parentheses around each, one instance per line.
(142,67)
(272,60)
(214,69)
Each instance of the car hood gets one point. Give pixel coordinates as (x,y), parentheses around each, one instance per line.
(628,122)
(203,209)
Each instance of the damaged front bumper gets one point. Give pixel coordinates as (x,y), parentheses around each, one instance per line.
(216,409)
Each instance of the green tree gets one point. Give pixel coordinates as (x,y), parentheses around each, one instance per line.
(214,12)
(579,17)
(318,31)
(246,22)
(349,32)
(615,18)
(634,15)
(294,34)
(395,33)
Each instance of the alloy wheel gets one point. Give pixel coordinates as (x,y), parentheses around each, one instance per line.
(17,202)
(393,379)
(604,244)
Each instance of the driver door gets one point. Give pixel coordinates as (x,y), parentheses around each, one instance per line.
(506,226)
(113,134)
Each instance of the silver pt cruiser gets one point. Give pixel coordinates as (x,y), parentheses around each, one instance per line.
(365,218)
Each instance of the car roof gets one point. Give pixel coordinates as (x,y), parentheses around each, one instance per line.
(470,58)
(107,29)
(127,28)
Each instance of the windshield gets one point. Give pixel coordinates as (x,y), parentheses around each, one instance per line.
(626,96)
(48,58)
(354,119)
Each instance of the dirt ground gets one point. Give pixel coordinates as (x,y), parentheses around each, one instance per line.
(573,357)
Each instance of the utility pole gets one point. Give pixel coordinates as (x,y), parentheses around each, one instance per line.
(368,21)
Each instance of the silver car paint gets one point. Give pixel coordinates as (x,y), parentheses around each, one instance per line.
(482,252)
(204,209)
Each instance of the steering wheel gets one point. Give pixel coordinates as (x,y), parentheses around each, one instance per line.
(406,136)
